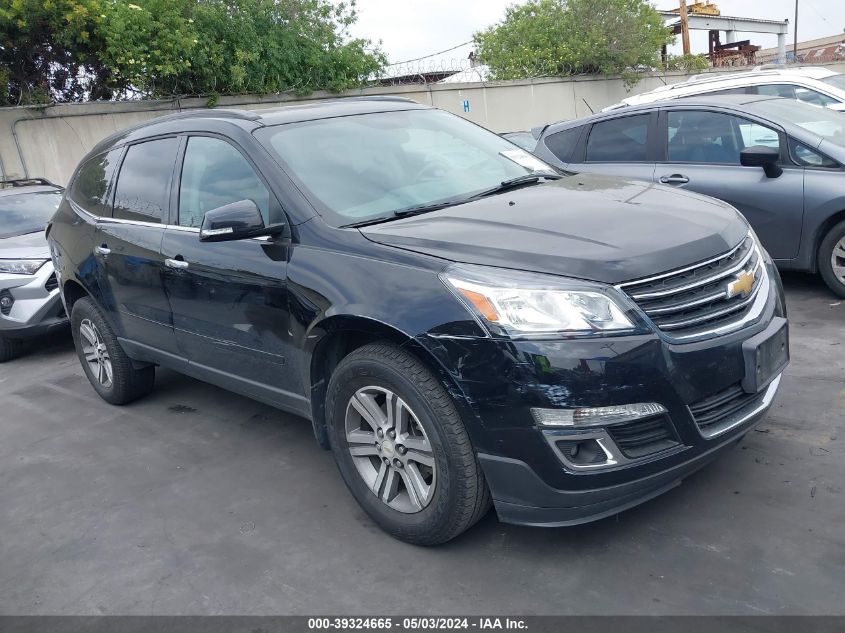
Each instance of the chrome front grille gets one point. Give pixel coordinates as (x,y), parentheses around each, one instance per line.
(705,296)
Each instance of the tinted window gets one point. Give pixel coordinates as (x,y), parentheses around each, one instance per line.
(215,174)
(619,140)
(727,91)
(811,96)
(357,168)
(713,137)
(775,90)
(22,213)
(142,187)
(807,157)
(92,181)
(561,144)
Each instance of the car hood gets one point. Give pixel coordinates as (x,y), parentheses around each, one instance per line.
(589,227)
(27,246)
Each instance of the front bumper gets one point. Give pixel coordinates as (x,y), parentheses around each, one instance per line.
(531,481)
(522,497)
(37,307)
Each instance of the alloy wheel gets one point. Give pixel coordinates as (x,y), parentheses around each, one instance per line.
(390,449)
(837,260)
(95,352)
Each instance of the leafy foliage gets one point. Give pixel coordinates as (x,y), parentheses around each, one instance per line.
(564,37)
(50,50)
(72,50)
(687,62)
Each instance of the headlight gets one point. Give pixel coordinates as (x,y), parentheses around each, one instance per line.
(21,266)
(517,303)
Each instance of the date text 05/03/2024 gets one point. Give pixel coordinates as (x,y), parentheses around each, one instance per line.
(417,623)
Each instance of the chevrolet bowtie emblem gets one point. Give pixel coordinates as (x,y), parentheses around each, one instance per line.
(742,284)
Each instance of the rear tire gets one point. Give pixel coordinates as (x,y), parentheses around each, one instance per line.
(832,259)
(109,370)
(433,499)
(10,348)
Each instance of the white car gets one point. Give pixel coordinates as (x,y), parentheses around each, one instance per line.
(816,85)
(30,303)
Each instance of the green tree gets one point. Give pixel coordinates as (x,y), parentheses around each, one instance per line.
(148,44)
(74,50)
(564,37)
(49,51)
(269,46)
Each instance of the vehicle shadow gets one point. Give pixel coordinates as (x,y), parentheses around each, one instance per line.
(54,345)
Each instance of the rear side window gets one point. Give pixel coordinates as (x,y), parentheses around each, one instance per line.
(92,182)
(622,140)
(726,91)
(143,190)
(811,96)
(562,144)
(215,174)
(786,91)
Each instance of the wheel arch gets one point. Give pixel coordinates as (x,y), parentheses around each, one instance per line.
(73,291)
(821,232)
(343,334)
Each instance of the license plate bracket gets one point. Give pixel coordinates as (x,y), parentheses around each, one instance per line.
(766,355)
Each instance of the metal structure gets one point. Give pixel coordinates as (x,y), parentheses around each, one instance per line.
(703,16)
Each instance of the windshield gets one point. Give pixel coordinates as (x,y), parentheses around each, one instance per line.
(837,81)
(361,168)
(22,213)
(828,124)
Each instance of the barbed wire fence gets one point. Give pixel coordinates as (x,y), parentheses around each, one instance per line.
(440,67)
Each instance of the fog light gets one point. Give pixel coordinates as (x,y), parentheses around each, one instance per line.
(596,416)
(6,302)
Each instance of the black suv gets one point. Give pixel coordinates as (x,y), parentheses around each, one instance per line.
(460,322)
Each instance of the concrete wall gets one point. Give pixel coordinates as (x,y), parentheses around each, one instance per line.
(49,141)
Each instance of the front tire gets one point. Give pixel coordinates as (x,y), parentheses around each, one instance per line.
(109,370)
(832,259)
(402,448)
(10,348)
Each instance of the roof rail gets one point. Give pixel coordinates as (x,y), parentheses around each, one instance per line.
(27,182)
(707,78)
(217,113)
(378,98)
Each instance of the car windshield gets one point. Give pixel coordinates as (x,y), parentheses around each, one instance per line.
(837,81)
(366,167)
(828,124)
(22,213)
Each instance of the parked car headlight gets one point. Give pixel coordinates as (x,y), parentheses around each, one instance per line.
(526,304)
(21,266)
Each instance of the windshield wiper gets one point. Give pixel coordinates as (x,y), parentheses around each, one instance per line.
(519,181)
(505,185)
(407,212)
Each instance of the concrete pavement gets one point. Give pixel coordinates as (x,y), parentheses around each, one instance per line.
(198,501)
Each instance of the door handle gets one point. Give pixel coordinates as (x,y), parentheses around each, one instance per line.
(674,179)
(102,250)
(177,263)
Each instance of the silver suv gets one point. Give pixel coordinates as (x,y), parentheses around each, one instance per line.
(815,85)
(30,304)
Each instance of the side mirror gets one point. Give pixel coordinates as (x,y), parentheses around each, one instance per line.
(236,221)
(762,156)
